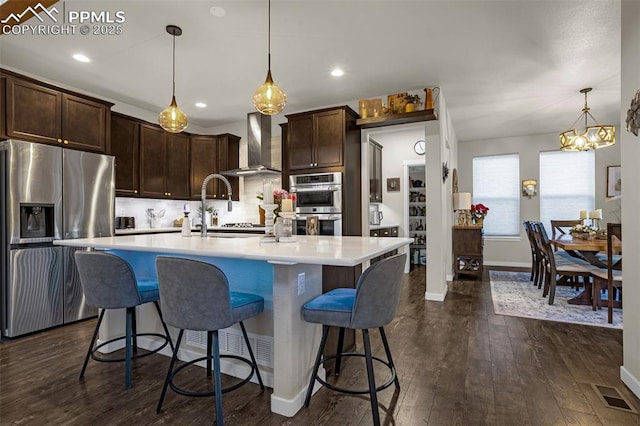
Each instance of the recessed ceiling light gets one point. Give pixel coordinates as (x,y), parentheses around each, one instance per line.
(217,11)
(201,105)
(81,58)
(337,72)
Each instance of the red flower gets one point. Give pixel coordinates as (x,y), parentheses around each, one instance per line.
(479,210)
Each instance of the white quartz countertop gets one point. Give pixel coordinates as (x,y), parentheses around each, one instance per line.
(131,231)
(386,225)
(321,250)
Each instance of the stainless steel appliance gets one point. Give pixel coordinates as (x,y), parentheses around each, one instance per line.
(375,215)
(328,224)
(318,194)
(48,193)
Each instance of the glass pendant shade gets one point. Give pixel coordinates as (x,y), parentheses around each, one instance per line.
(592,137)
(269,99)
(172,119)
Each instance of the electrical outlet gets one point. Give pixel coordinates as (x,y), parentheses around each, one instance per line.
(301,285)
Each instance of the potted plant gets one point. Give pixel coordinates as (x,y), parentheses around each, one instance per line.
(412,103)
(478,212)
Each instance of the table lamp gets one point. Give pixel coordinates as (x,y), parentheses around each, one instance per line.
(462,207)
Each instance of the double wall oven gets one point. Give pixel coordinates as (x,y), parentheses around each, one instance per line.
(320,195)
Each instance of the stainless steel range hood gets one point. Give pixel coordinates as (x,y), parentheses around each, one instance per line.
(259,148)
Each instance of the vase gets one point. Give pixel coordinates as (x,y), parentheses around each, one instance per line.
(410,107)
(478,221)
(261,212)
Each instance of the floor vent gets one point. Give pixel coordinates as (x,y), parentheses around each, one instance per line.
(232,342)
(612,398)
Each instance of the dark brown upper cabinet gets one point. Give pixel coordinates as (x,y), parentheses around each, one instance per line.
(125,147)
(41,113)
(203,163)
(316,139)
(164,163)
(213,154)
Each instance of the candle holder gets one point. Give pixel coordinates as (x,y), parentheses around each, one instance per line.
(287,228)
(269,235)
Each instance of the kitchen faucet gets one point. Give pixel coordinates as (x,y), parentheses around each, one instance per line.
(203,228)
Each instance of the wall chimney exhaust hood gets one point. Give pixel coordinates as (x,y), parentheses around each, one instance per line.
(259,148)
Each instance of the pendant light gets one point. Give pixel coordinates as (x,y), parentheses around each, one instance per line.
(593,137)
(172,119)
(269,99)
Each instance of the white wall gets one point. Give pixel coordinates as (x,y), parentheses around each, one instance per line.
(397,146)
(630,372)
(515,251)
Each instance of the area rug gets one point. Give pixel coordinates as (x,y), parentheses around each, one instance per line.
(514,295)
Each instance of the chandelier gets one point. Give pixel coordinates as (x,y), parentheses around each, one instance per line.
(592,137)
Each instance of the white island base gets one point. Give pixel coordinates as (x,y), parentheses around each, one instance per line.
(285,275)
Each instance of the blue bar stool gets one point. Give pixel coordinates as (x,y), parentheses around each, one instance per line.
(372,304)
(195,296)
(108,282)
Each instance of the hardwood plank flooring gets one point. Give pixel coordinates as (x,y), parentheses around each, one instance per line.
(458,363)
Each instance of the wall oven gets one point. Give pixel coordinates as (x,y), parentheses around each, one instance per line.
(328,224)
(319,193)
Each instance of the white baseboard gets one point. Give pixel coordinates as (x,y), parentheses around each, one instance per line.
(630,380)
(449,278)
(289,407)
(437,297)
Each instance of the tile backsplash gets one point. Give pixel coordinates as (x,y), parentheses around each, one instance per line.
(245,210)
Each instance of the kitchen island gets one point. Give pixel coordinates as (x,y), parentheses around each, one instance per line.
(287,275)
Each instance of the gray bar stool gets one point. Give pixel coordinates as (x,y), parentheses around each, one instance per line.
(195,296)
(372,304)
(108,282)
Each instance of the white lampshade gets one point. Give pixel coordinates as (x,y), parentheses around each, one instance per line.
(462,201)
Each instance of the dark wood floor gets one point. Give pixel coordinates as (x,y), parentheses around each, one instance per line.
(457,361)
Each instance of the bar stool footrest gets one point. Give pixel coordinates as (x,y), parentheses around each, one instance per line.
(357,391)
(184,392)
(136,355)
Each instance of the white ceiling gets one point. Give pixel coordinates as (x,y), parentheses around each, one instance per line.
(505,67)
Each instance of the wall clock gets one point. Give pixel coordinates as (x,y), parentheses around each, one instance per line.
(419,147)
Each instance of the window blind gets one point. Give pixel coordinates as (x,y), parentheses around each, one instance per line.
(567,185)
(496,184)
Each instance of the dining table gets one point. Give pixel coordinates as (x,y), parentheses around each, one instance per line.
(586,249)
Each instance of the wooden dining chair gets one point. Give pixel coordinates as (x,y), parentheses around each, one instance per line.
(611,276)
(562,227)
(558,265)
(536,256)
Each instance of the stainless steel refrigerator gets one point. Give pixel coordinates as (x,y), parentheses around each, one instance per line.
(48,193)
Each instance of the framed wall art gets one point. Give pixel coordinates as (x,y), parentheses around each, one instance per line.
(614,181)
(393,184)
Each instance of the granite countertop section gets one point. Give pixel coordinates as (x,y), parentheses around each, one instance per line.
(319,250)
(381,226)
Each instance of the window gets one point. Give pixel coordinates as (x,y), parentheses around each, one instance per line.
(567,185)
(496,184)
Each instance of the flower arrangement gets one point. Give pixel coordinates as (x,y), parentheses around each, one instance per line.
(278,196)
(479,211)
(583,231)
(412,99)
